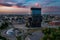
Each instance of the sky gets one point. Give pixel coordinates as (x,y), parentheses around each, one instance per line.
(10,10)
(41,2)
(47,5)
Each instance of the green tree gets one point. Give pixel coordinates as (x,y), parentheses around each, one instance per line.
(4,25)
(2,38)
(51,34)
(19,38)
(46,31)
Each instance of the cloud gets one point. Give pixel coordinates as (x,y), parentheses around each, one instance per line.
(42,2)
(53,3)
(15,1)
(48,6)
(51,10)
(10,10)
(1,1)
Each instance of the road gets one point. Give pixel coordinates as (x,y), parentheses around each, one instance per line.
(35,36)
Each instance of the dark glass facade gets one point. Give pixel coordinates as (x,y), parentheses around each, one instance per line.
(36,17)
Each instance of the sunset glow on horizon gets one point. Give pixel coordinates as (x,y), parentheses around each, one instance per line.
(4,9)
(23,6)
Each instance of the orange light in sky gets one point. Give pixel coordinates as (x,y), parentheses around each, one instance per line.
(14,6)
(37,5)
(5,9)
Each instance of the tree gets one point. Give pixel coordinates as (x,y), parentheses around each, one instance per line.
(19,38)
(51,34)
(46,31)
(4,25)
(2,38)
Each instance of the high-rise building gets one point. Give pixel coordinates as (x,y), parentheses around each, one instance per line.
(36,17)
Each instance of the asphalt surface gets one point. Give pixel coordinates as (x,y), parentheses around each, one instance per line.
(36,35)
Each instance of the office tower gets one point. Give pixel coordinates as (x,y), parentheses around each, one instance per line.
(36,17)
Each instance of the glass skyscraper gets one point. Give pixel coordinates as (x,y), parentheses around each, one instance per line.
(36,17)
